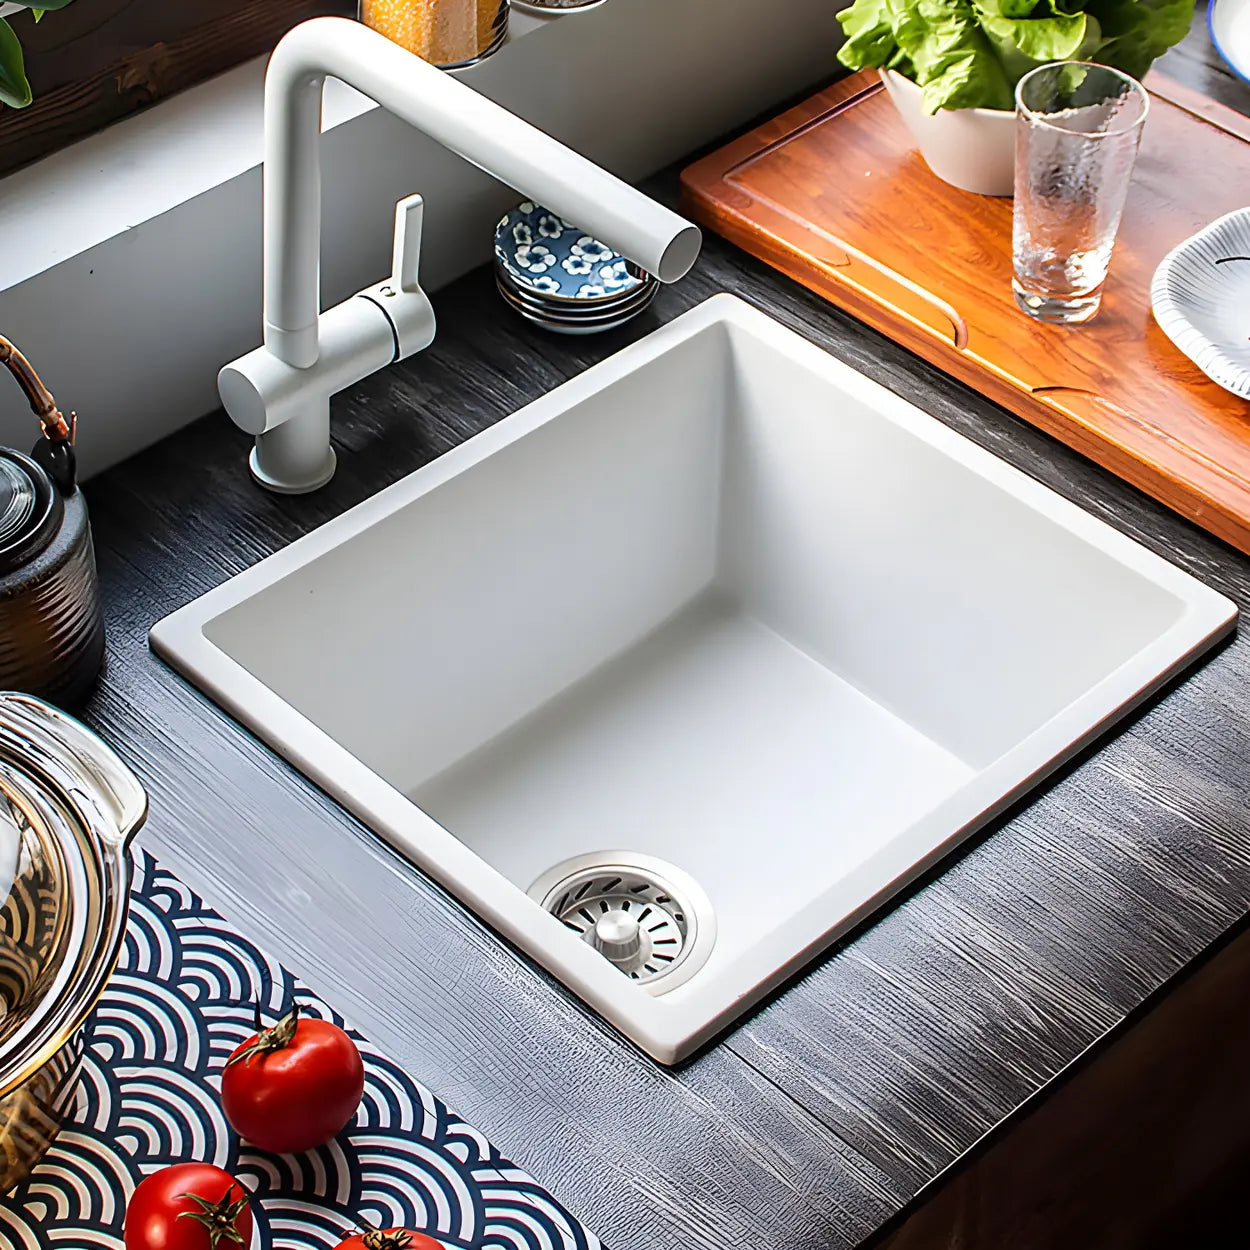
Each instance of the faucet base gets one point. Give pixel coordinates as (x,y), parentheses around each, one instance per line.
(287,486)
(296,457)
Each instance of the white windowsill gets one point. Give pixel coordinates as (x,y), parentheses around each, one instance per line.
(147,164)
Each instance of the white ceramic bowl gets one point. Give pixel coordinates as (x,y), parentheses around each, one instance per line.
(1200,295)
(973,149)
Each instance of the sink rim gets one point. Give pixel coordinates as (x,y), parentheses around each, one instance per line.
(671,1027)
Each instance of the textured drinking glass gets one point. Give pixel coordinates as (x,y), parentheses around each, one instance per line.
(1078,127)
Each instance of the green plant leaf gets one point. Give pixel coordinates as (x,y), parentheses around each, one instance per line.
(1037,39)
(953,58)
(14,87)
(1012,8)
(971,53)
(869,36)
(1138,32)
(47,6)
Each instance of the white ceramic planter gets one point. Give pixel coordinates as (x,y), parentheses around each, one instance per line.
(973,149)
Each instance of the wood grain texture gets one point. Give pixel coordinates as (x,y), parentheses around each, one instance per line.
(1195,63)
(832,1111)
(1173,1094)
(100,60)
(834,194)
(709,1157)
(827,1112)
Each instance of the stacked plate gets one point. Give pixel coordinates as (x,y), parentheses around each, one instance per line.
(560,278)
(546,7)
(1229,24)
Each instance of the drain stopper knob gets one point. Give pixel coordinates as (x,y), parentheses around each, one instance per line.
(618,938)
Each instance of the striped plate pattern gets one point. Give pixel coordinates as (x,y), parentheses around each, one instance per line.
(180,1002)
(1201,299)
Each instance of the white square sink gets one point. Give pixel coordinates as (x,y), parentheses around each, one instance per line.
(720,601)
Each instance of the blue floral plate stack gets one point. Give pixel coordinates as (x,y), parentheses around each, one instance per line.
(558,277)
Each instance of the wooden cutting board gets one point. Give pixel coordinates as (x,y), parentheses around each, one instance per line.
(833,194)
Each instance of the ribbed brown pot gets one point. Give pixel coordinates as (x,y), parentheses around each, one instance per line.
(51,627)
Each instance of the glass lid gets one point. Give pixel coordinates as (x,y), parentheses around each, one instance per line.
(43,904)
(67,806)
(30,509)
(17,500)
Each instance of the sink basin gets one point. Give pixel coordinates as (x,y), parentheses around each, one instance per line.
(720,640)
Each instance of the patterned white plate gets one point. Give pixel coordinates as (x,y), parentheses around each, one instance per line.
(178,1005)
(1201,299)
(1229,24)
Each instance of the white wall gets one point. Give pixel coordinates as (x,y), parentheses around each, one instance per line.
(131,331)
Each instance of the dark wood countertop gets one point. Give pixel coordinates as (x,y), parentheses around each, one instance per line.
(824,1114)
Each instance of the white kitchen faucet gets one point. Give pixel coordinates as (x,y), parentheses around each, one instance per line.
(281,392)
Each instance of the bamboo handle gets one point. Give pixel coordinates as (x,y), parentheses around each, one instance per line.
(55,427)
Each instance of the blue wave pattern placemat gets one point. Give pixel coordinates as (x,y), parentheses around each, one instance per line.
(180,1002)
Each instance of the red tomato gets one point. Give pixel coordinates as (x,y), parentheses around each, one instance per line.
(390,1239)
(293,1087)
(190,1206)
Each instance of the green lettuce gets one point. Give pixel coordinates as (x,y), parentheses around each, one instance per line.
(971,53)
(951,56)
(869,35)
(1137,34)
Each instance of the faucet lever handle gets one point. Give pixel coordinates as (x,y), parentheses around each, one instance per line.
(406,258)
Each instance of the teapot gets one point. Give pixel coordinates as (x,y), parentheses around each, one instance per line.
(51,622)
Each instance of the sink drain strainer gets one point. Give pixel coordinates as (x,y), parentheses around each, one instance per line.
(645,917)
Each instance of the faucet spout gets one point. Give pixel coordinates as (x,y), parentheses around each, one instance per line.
(281,391)
(455,115)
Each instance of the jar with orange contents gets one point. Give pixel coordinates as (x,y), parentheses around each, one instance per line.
(447,33)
